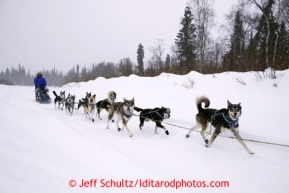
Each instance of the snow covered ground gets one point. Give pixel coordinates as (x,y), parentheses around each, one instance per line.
(43,148)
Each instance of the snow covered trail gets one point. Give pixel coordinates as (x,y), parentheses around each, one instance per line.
(43,148)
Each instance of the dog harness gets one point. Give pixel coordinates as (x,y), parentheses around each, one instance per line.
(71,104)
(108,102)
(150,113)
(160,115)
(233,124)
(92,107)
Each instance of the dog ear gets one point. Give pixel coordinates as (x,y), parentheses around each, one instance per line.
(133,99)
(229,103)
(124,99)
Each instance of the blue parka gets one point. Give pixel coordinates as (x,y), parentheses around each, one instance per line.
(39,82)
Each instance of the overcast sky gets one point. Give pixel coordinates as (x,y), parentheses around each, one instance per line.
(62,33)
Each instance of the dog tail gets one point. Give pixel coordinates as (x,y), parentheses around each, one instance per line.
(67,96)
(109,94)
(199,102)
(137,109)
(54,93)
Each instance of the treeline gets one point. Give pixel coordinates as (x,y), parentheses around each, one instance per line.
(19,76)
(259,41)
(16,76)
(255,37)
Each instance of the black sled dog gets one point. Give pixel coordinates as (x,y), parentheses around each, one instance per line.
(59,99)
(124,111)
(156,115)
(223,120)
(106,103)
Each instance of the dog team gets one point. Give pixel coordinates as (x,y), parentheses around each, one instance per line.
(223,120)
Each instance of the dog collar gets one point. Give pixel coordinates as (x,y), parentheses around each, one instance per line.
(128,115)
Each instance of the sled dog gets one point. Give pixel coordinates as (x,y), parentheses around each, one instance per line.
(223,120)
(59,99)
(156,115)
(124,111)
(106,103)
(91,107)
(84,102)
(69,104)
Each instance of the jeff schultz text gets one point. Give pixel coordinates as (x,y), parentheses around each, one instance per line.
(149,183)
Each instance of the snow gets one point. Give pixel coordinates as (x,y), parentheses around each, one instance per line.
(43,148)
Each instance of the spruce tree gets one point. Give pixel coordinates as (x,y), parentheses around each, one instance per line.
(140,57)
(168,63)
(237,46)
(185,43)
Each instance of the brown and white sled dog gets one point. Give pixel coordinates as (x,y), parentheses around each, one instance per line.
(123,111)
(106,103)
(69,104)
(84,102)
(91,107)
(223,120)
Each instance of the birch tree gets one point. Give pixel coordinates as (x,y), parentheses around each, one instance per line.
(204,14)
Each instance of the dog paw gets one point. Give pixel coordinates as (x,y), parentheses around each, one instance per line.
(92,120)
(206,141)
(61,108)
(207,145)
(250,152)
(167,132)
(107,128)
(187,136)
(131,135)
(119,129)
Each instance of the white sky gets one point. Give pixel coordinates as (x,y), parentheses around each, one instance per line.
(62,33)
